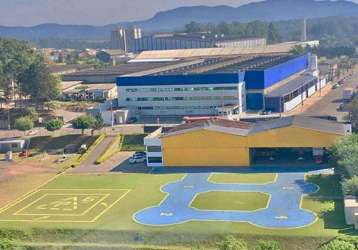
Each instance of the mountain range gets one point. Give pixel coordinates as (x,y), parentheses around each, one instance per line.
(269,10)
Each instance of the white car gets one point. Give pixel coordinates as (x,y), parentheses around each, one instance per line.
(137,159)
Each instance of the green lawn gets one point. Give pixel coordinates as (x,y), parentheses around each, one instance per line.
(133,142)
(117,225)
(244,201)
(48,143)
(242,178)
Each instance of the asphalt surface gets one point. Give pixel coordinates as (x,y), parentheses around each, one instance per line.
(329,104)
(283,210)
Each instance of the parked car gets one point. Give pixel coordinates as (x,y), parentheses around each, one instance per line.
(137,159)
(335,86)
(132,120)
(139,153)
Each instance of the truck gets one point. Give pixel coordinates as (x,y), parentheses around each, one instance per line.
(347,94)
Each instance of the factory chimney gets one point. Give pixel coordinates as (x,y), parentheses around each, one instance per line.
(304,30)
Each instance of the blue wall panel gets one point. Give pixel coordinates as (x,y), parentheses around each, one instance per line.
(254,79)
(285,70)
(254,101)
(180,79)
(273,104)
(261,79)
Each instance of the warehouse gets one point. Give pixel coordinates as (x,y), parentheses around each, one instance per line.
(109,74)
(223,143)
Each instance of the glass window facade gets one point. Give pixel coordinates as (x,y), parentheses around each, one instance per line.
(183,89)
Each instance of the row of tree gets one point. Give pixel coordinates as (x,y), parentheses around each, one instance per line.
(27,122)
(241,30)
(344,153)
(232,243)
(25,74)
(337,35)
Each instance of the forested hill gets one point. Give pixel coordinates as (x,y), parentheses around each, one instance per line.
(270,10)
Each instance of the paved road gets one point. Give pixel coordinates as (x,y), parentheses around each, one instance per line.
(283,211)
(329,104)
(114,164)
(89,162)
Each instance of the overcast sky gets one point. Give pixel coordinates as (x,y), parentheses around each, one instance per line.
(94,12)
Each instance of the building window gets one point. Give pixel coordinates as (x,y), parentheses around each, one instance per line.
(14,145)
(154,149)
(154,159)
(147,108)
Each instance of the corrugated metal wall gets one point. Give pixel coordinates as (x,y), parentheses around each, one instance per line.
(260,79)
(254,101)
(273,104)
(285,70)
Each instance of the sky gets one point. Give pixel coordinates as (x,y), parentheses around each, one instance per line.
(92,12)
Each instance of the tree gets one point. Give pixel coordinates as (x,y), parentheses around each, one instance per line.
(84,122)
(272,34)
(98,124)
(267,245)
(353,114)
(231,243)
(38,83)
(24,123)
(344,153)
(350,186)
(15,58)
(54,124)
(193,27)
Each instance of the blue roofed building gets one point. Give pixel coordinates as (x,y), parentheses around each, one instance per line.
(222,86)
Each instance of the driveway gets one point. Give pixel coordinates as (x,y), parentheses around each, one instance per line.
(283,211)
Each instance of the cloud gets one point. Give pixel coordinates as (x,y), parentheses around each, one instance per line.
(94,12)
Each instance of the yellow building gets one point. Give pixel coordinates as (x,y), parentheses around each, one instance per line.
(234,143)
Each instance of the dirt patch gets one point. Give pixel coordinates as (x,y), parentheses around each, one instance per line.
(13,169)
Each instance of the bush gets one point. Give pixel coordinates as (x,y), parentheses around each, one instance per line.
(350,186)
(231,243)
(54,124)
(6,244)
(268,245)
(338,244)
(24,123)
(32,113)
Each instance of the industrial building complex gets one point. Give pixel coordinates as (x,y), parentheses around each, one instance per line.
(238,84)
(224,143)
(134,41)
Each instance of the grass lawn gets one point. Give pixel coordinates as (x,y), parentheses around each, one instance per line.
(117,226)
(242,178)
(133,142)
(49,143)
(244,201)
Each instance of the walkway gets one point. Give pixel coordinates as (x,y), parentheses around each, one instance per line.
(283,210)
(88,165)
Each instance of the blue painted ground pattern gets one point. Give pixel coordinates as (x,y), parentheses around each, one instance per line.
(283,210)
